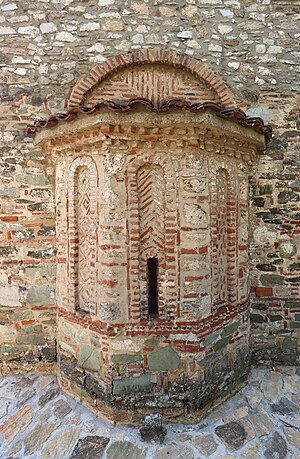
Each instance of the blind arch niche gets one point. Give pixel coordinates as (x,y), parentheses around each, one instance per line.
(83,226)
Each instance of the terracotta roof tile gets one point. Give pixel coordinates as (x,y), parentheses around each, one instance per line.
(228,113)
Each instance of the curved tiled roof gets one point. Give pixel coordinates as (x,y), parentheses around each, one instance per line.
(228,113)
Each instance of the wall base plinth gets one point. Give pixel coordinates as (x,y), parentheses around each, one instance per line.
(184,400)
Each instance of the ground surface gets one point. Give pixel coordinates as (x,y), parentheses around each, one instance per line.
(38,421)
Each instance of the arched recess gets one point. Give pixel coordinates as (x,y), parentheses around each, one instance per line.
(82,211)
(151,209)
(129,78)
(224,236)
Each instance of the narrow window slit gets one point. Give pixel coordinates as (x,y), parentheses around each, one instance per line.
(152,264)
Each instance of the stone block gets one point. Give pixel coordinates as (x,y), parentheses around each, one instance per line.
(271,279)
(132,385)
(153,430)
(10,296)
(88,358)
(163,360)
(230,329)
(31,329)
(123,359)
(30,339)
(40,296)
(292,304)
(208,359)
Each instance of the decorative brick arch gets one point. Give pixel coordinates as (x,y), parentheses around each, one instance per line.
(170,59)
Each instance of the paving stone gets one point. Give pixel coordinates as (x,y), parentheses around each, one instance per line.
(90,447)
(205,444)
(220,413)
(36,437)
(233,434)
(51,393)
(61,444)
(293,436)
(254,396)
(72,421)
(184,437)
(293,420)
(285,406)
(261,421)
(25,382)
(16,424)
(252,452)
(3,408)
(276,447)
(45,381)
(8,392)
(25,397)
(290,385)
(174,451)
(241,412)
(270,386)
(61,408)
(125,450)
(296,399)
(14,449)
(250,435)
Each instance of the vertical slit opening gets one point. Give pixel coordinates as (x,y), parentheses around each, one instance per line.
(152,264)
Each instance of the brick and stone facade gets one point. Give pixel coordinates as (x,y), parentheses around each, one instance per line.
(250,50)
(168,188)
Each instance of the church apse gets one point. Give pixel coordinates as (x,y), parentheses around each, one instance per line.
(153,237)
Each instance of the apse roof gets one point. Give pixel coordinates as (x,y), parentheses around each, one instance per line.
(221,111)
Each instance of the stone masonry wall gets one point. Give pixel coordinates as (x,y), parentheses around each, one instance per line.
(47,46)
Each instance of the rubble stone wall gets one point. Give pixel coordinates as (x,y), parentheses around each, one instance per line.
(49,45)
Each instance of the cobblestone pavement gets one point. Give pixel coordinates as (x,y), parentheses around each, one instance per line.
(37,420)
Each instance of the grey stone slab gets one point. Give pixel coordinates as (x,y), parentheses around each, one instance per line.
(3,408)
(174,451)
(125,450)
(276,447)
(26,396)
(233,434)
(270,386)
(293,437)
(205,444)
(90,447)
(261,421)
(61,444)
(285,406)
(37,436)
(61,408)
(51,393)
